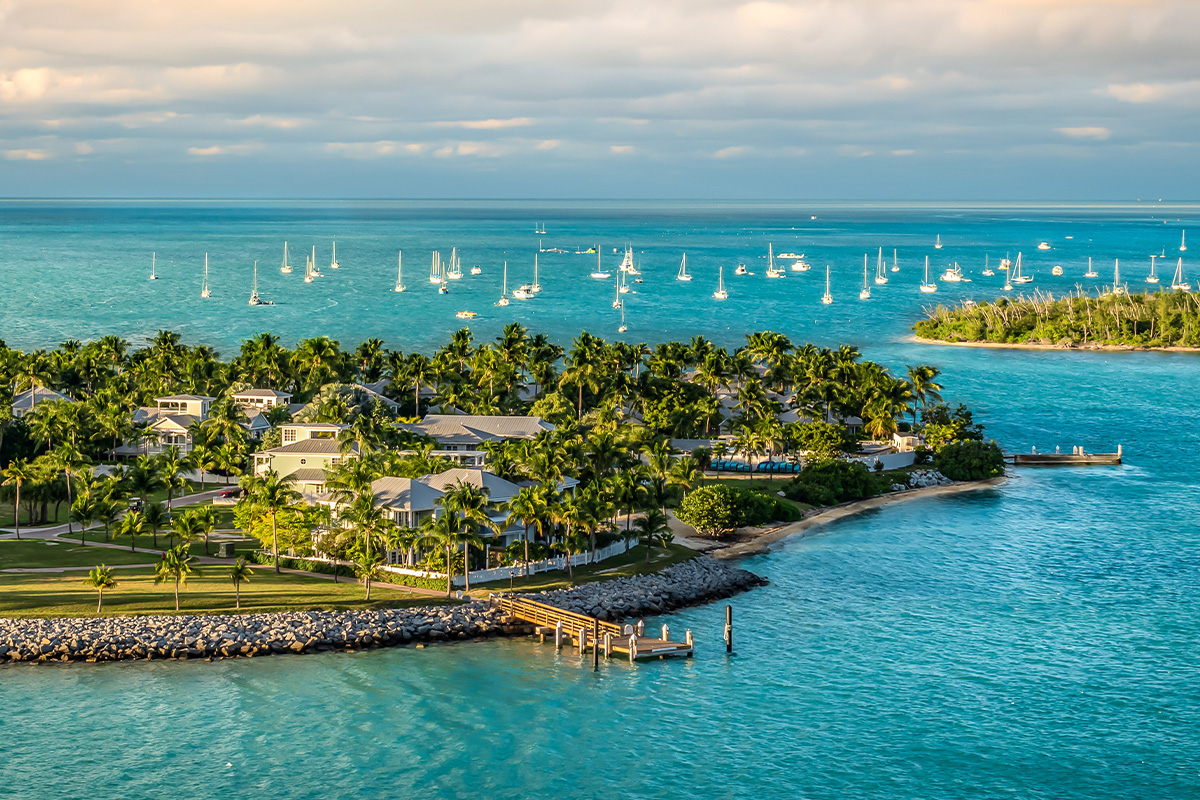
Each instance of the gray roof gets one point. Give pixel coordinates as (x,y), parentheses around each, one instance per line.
(185,397)
(307,447)
(38,394)
(308,475)
(473,428)
(499,489)
(403,494)
(262,393)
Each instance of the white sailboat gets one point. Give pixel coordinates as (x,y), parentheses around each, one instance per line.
(683,273)
(399,271)
(622,286)
(938,244)
(435,268)
(865,292)
(204,292)
(623,327)
(1018,277)
(1180,282)
(1183,242)
(536,287)
(454,273)
(333,262)
(720,293)
(599,274)
(895,261)
(1008,281)
(1117,289)
(826,298)
(617,290)
(1153,276)
(286,268)
(153,267)
(880,275)
(308,270)
(987,271)
(316,273)
(1091,273)
(926,286)
(772,272)
(255,300)
(503,301)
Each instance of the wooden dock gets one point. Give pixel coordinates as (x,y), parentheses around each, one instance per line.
(1076,458)
(584,632)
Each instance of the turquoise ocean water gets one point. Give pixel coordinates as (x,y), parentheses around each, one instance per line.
(1038,640)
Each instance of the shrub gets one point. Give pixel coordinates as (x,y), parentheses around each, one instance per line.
(969,460)
(822,439)
(717,509)
(827,483)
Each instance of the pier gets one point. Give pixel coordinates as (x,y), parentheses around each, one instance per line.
(1076,458)
(583,632)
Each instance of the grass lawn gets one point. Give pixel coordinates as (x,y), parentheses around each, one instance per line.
(37,553)
(164,541)
(622,566)
(60,518)
(211,593)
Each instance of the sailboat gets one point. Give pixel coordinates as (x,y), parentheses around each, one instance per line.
(1183,242)
(865,292)
(454,273)
(153,267)
(1091,273)
(399,271)
(772,272)
(541,230)
(938,244)
(683,273)
(286,268)
(720,293)
(880,275)
(926,286)
(536,287)
(1118,289)
(623,327)
(1180,283)
(1019,278)
(599,274)
(435,268)
(503,301)
(827,298)
(316,273)
(1008,281)
(333,262)
(987,271)
(308,270)
(617,292)
(255,300)
(1152,277)
(204,292)
(895,261)
(622,286)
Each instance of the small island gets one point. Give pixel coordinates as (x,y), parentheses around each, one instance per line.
(1162,320)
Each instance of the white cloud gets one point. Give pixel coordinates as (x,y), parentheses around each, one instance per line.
(487,124)
(1093,132)
(731,152)
(367,150)
(1151,92)
(261,120)
(224,150)
(548,144)
(621,149)
(84,149)
(26,155)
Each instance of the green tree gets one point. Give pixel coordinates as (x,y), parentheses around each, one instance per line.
(100,578)
(367,568)
(712,510)
(17,474)
(132,525)
(175,566)
(267,495)
(239,573)
(654,525)
(155,515)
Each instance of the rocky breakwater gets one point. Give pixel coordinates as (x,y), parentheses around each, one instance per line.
(700,580)
(180,637)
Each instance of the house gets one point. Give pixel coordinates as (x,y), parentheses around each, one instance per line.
(261,399)
(460,436)
(169,423)
(308,450)
(907,442)
(27,400)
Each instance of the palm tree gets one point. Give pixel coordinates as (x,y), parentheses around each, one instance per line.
(526,508)
(100,578)
(471,504)
(155,515)
(67,459)
(133,526)
(170,471)
(654,525)
(175,566)
(83,511)
(240,572)
(188,527)
(443,531)
(17,473)
(268,495)
(924,387)
(367,568)
(203,459)
(113,423)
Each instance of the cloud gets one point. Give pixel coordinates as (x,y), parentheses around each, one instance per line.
(368,150)
(731,152)
(1150,92)
(26,155)
(487,124)
(903,152)
(224,150)
(548,144)
(84,149)
(1095,133)
(621,149)
(282,123)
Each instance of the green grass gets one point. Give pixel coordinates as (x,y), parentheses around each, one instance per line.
(622,566)
(63,512)
(38,553)
(165,540)
(211,593)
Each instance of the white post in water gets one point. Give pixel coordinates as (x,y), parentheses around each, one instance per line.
(582,640)
(607,644)
(1118,451)
(632,648)
(666,633)
(640,627)
(687,637)
(558,635)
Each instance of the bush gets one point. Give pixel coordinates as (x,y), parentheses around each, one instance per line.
(969,460)
(822,439)
(717,509)
(827,483)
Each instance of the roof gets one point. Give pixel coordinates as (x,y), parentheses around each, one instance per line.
(319,447)
(256,420)
(470,427)
(308,475)
(38,394)
(499,489)
(315,426)
(185,397)
(262,393)
(404,494)
(179,421)
(376,395)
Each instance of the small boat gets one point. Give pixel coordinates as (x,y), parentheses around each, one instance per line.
(720,293)
(740,269)
(627,262)
(683,273)
(399,271)
(454,272)
(938,244)
(541,230)
(1091,273)
(286,268)
(435,268)
(865,292)
(795,256)
(503,301)
(926,286)
(1008,281)
(1180,282)
(880,273)
(316,273)
(1153,276)
(1044,246)
(308,270)
(536,287)
(772,272)
(153,267)
(623,326)
(204,292)
(1019,278)
(466,315)
(1117,289)
(599,274)
(987,271)
(1056,270)
(800,265)
(617,293)
(444,289)
(476,270)
(255,300)
(1183,242)
(826,298)
(953,274)
(523,292)
(895,262)
(1005,263)
(333,262)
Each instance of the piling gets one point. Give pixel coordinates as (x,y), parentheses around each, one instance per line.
(558,635)
(596,645)
(607,644)
(728,629)
(633,648)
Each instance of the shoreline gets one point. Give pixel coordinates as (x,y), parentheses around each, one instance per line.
(762,544)
(1113,348)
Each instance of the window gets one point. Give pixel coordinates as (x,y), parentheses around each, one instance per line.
(289,435)
(303,461)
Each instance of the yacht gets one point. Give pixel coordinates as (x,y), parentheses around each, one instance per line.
(926,286)
(938,244)
(466,315)
(435,268)
(454,272)
(503,301)
(255,300)
(895,261)
(1153,276)
(1005,263)
(720,293)
(772,272)
(793,256)
(333,262)
(204,292)
(1044,246)
(476,270)
(623,327)
(286,268)
(1091,273)
(987,271)
(316,273)
(1117,289)
(1180,283)
(740,269)
(523,292)
(617,292)
(599,274)
(399,271)
(308,270)
(1056,270)
(880,273)
(1183,242)
(683,273)
(865,292)
(153,267)
(800,265)
(826,298)
(953,274)
(444,288)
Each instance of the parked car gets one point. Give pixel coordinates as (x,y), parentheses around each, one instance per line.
(227,493)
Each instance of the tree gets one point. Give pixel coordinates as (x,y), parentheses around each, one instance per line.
(443,531)
(654,525)
(712,510)
(16,474)
(175,566)
(83,511)
(821,439)
(170,471)
(526,508)
(239,573)
(100,578)
(367,568)
(969,460)
(133,525)
(471,504)
(188,527)
(267,495)
(155,516)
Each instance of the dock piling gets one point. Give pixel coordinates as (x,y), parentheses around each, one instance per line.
(596,645)
(558,635)
(640,628)
(632,648)
(607,645)
(666,633)
(728,629)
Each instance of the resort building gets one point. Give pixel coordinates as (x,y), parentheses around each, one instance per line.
(307,451)
(261,399)
(168,423)
(460,436)
(27,400)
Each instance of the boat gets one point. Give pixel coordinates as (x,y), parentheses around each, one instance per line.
(308,270)
(799,265)
(865,293)
(503,301)
(1153,276)
(316,273)
(454,272)
(476,270)
(1180,283)
(1117,289)
(938,244)
(153,267)
(895,262)
(953,274)
(987,271)
(617,292)
(880,274)
(623,326)
(523,292)
(466,315)
(827,298)
(795,256)
(740,269)
(1044,246)
(204,292)
(599,274)
(926,286)
(541,230)
(771,271)
(622,286)
(333,262)
(1005,263)
(1056,270)
(255,300)
(1183,242)
(683,273)
(286,268)
(627,262)
(536,287)
(1018,277)
(435,268)
(1091,273)
(444,288)
(399,271)
(720,293)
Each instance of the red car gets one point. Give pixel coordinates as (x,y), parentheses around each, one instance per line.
(230,493)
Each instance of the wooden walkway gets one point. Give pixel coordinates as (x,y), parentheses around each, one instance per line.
(584,632)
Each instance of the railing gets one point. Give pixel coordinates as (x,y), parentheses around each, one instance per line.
(549,616)
(518,569)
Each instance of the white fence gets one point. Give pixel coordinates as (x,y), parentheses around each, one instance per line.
(518,569)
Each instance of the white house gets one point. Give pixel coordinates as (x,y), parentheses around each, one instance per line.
(460,436)
(261,399)
(307,452)
(27,400)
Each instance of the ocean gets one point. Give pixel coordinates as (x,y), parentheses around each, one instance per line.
(1033,640)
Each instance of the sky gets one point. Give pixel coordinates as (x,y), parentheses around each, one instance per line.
(811,99)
